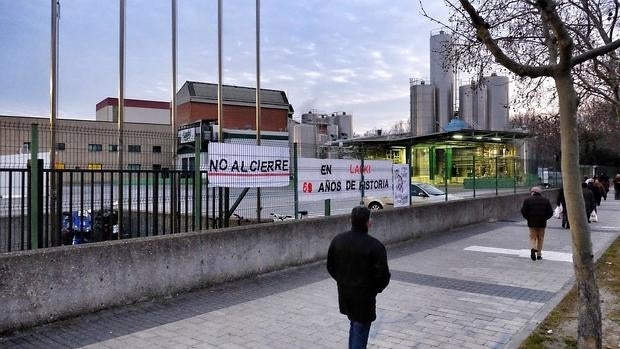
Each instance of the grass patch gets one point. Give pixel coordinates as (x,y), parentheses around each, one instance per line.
(562,321)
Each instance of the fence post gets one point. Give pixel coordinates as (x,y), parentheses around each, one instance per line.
(197,179)
(445,174)
(473,172)
(227,208)
(409,161)
(57,226)
(362,176)
(496,190)
(156,202)
(295,178)
(36,189)
(514,174)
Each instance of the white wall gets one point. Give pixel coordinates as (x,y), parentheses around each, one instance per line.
(137,115)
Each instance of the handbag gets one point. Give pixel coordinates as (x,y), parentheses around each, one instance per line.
(557,213)
(593,217)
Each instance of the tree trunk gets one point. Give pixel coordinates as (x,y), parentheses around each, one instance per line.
(589,328)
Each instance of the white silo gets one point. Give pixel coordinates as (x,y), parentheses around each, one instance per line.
(422,104)
(306,137)
(442,77)
(309,118)
(332,132)
(479,107)
(497,101)
(345,125)
(466,104)
(473,105)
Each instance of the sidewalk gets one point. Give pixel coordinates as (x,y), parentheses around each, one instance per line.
(475,287)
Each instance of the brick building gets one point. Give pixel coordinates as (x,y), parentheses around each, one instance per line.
(197,101)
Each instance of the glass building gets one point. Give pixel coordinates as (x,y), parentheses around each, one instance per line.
(460,157)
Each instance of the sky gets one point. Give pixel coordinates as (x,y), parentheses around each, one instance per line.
(327,55)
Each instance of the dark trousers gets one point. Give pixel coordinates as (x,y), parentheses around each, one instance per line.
(565,223)
(358,335)
(617,194)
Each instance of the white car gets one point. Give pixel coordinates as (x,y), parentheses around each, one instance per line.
(420,192)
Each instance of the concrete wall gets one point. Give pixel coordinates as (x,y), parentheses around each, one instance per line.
(49,284)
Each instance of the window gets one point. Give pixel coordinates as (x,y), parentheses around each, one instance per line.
(95,147)
(95,166)
(112,147)
(133,167)
(156,167)
(60,146)
(157,149)
(132,148)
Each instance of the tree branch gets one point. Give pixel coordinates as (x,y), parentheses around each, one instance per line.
(485,36)
(599,51)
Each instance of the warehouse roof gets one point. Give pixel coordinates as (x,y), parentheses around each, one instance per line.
(202,92)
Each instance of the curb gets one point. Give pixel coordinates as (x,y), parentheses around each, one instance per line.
(518,339)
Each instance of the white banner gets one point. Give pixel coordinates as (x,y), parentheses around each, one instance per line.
(400,173)
(247,166)
(320,179)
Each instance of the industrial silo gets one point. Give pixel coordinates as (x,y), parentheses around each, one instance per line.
(479,107)
(473,105)
(345,125)
(332,132)
(466,104)
(309,118)
(422,103)
(442,77)
(497,101)
(306,138)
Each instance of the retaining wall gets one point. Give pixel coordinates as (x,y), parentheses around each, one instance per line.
(48,284)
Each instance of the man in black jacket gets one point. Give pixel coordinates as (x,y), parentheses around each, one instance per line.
(537,210)
(588,199)
(358,263)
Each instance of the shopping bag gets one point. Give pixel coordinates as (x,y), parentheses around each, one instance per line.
(557,213)
(593,217)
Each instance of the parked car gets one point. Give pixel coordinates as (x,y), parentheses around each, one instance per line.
(420,192)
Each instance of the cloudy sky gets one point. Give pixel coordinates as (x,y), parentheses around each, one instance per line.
(328,55)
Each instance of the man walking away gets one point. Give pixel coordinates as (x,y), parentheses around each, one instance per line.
(358,263)
(597,194)
(604,179)
(588,199)
(601,189)
(537,210)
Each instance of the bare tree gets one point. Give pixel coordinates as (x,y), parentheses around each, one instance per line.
(543,128)
(400,127)
(598,78)
(536,39)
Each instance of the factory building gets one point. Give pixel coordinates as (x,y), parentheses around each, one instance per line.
(483,104)
(317,129)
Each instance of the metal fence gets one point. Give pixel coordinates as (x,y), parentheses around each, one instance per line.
(152,200)
(82,144)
